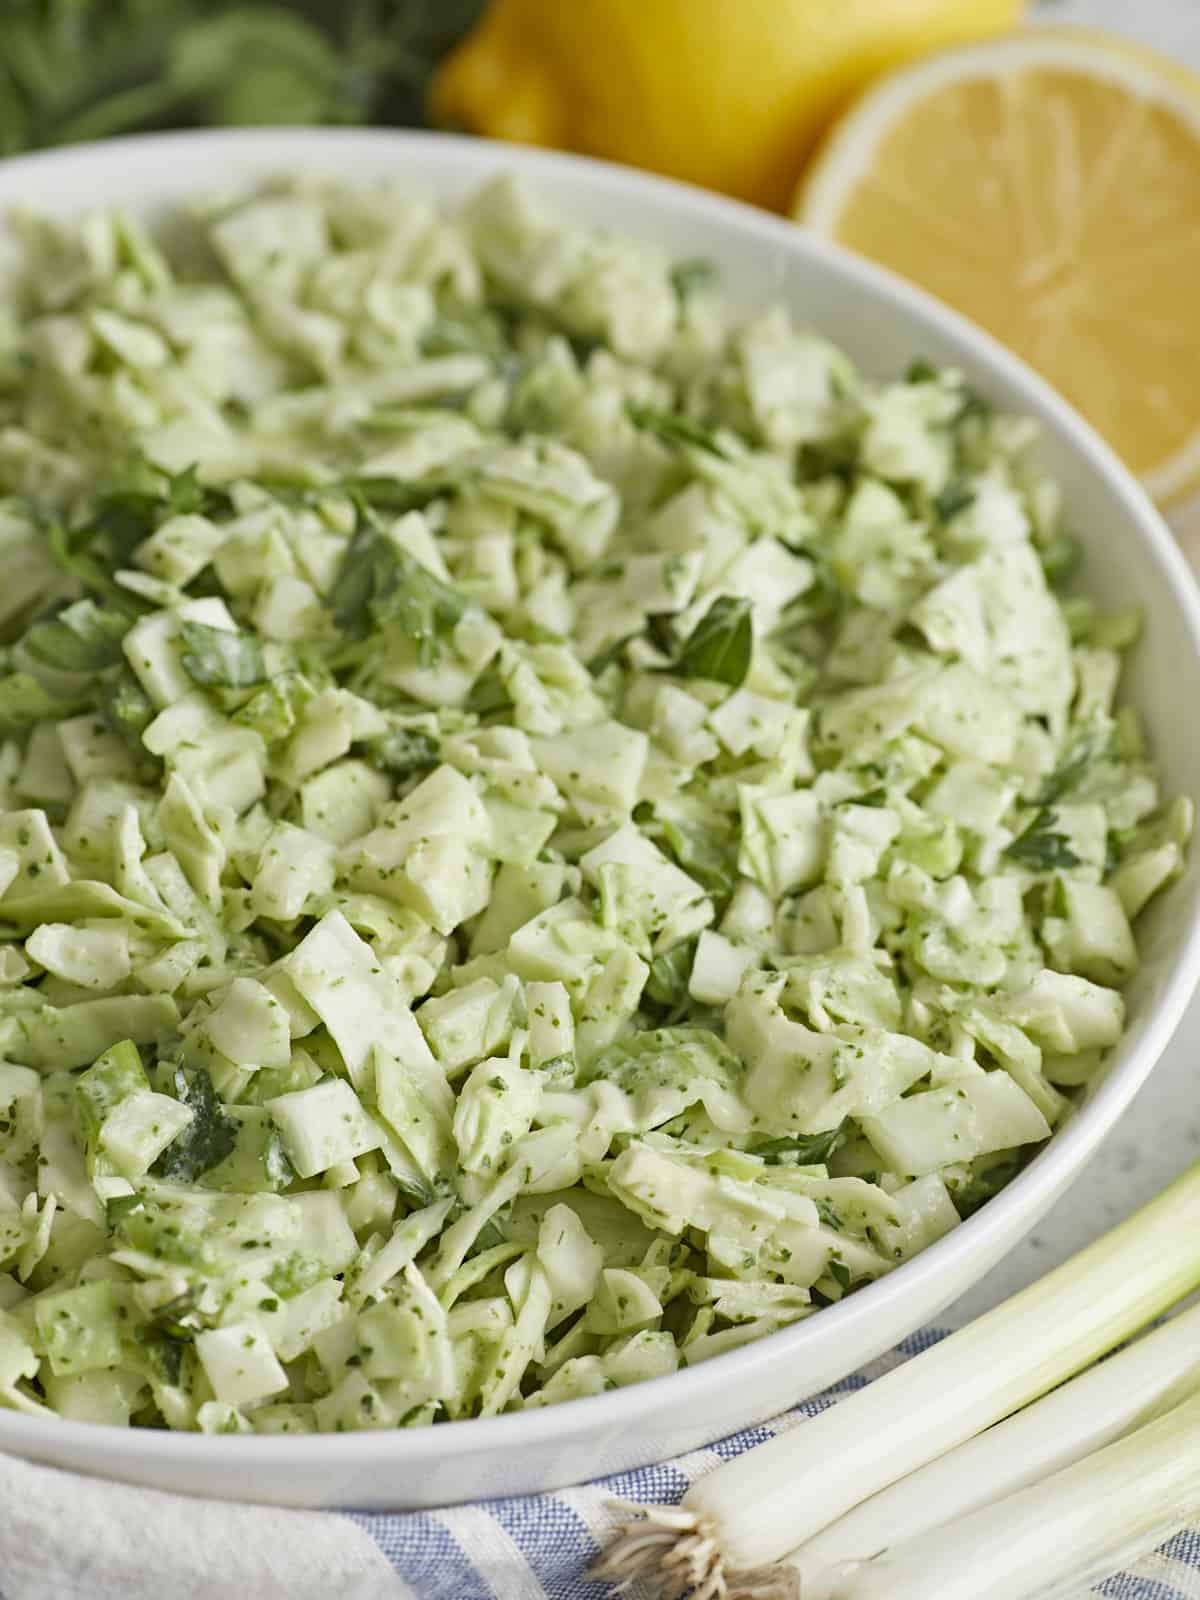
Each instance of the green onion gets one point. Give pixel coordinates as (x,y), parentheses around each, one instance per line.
(1100,1406)
(750,1512)
(1069,1529)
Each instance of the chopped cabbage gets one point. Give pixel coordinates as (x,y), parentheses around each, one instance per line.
(545,834)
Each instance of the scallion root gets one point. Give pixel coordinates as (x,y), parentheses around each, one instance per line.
(671,1549)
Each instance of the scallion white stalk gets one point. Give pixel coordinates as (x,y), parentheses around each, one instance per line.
(1076,1419)
(750,1512)
(1070,1528)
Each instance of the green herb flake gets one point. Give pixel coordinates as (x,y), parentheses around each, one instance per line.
(721,644)
(221,657)
(1040,848)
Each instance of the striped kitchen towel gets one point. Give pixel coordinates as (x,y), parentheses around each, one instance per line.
(64,1537)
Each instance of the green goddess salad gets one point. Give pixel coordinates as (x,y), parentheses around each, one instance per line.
(547,832)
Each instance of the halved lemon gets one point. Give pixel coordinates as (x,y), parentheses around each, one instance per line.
(1048,185)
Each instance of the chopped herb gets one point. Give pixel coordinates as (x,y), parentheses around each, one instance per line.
(467,330)
(611,654)
(702,856)
(974,408)
(992,1175)
(272,710)
(295,1273)
(381,586)
(675,429)
(1067,775)
(693,276)
(955,497)
(209,1136)
(23,702)
(840,1273)
(1042,849)
(128,710)
(872,797)
(402,751)
(120,518)
(721,644)
(79,638)
(803,1149)
(667,984)
(387,494)
(1060,558)
(119,1206)
(489,694)
(169,1318)
(220,657)
(91,69)
(417,1194)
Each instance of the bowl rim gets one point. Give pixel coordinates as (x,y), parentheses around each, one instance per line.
(263,150)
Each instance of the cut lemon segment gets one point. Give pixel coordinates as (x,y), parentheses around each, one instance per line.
(1048,185)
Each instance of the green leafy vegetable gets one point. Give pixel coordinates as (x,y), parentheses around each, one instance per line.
(118,1207)
(674,429)
(803,1149)
(667,984)
(955,497)
(382,586)
(1070,771)
(164,1353)
(989,1176)
(271,711)
(169,1318)
(416,1193)
(294,1274)
(1042,849)
(387,494)
(974,408)
(207,1139)
(121,516)
(610,655)
(168,1331)
(70,550)
(221,658)
(467,330)
(23,701)
(702,856)
(872,797)
(79,638)
(404,750)
(88,69)
(146,496)
(128,711)
(366,570)
(489,694)
(693,276)
(419,606)
(1060,558)
(721,644)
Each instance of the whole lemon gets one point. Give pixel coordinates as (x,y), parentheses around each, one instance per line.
(730,94)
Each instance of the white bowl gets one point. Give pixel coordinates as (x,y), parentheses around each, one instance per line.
(883,323)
